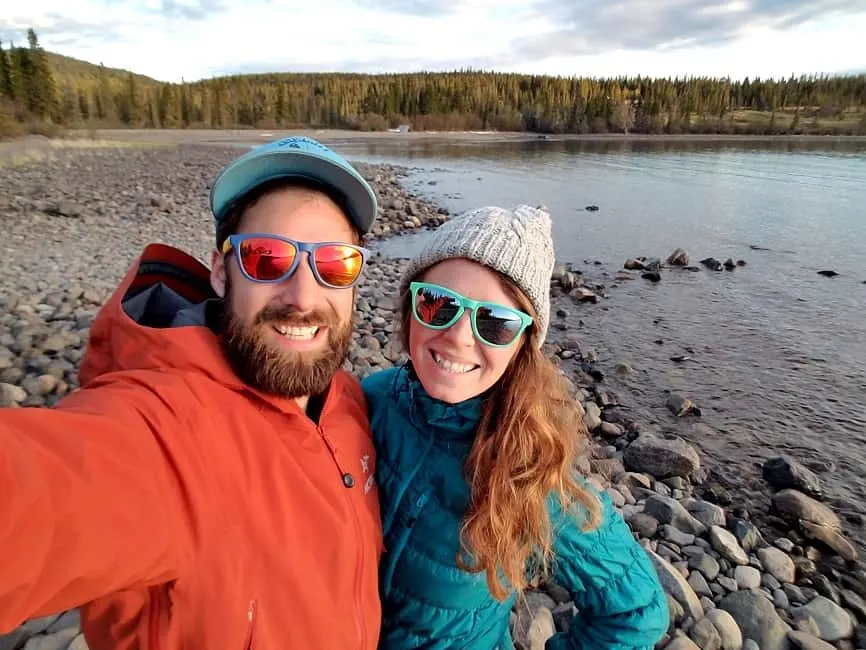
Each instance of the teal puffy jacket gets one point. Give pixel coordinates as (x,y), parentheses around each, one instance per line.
(427,601)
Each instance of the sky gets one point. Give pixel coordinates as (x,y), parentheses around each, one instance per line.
(174,40)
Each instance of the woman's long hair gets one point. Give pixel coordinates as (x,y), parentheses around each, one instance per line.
(530,436)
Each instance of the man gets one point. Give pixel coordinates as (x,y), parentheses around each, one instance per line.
(209,485)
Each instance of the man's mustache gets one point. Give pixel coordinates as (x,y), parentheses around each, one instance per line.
(288,315)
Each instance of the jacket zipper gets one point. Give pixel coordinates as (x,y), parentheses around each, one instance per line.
(401,542)
(251,625)
(349,482)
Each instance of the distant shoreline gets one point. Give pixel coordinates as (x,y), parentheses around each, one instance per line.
(229,136)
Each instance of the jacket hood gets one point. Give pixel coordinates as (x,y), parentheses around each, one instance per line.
(156,319)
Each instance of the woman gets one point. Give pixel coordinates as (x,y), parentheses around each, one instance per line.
(477,439)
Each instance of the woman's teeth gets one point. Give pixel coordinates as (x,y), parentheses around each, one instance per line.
(451,366)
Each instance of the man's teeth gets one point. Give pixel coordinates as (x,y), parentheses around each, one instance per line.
(301,333)
(451,366)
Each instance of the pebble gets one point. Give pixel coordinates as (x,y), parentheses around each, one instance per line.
(726,544)
(834,623)
(778,564)
(747,577)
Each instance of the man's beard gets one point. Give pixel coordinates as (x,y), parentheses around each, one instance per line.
(270,368)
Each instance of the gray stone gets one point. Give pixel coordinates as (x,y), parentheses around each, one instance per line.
(592,416)
(682,643)
(795,594)
(770,582)
(615,496)
(728,583)
(678,257)
(643,524)
(681,406)
(729,631)
(777,563)
(749,644)
(706,564)
(757,619)
(670,511)
(635,480)
(854,602)
(563,615)
(748,535)
(699,584)
(784,472)
(78,643)
(834,623)
(675,535)
(709,514)
(57,641)
(747,577)
(784,544)
(11,395)
(780,599)
(611,430)
(832,537)
(794,506)
(675,610)
(806,641)
(675,584)
(705,634)
(727,546)
(661,457)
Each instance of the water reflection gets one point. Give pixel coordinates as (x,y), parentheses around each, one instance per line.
(497,149)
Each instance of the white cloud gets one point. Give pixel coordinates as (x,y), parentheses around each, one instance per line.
(192,39)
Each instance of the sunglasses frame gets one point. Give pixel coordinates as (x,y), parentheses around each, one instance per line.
(235,241)
(464,304)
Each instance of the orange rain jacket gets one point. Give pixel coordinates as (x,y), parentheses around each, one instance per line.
(186,509)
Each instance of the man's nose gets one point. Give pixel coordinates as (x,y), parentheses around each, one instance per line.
(302,291)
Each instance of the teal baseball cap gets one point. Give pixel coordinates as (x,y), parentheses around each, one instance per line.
(294,157)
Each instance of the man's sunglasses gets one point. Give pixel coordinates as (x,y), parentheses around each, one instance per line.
(271,258)
(493,324)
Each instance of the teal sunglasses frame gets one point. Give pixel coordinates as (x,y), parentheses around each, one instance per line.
(472,305)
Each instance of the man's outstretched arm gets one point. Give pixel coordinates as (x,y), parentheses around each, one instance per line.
(94,497)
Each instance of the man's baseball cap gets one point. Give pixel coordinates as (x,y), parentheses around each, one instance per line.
(294,157)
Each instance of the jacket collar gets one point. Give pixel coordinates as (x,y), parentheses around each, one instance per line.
(448,422)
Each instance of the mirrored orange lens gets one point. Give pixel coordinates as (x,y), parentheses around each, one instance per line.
(267,259)
(338,264)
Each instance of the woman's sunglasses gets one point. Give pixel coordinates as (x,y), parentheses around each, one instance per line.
(271,258)
(493,324)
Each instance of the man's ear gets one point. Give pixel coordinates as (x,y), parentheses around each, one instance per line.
(218,273)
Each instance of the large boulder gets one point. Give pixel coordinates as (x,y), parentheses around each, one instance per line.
(757,619)
(783,472)
(661,457)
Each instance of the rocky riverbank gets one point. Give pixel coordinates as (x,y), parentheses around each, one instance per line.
(75,221)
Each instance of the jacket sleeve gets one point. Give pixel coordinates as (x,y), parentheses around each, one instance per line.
(94,497)
(620,601)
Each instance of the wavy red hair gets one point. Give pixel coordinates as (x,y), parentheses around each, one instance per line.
(526,448)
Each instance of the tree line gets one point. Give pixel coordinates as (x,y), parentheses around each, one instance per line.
(41,88)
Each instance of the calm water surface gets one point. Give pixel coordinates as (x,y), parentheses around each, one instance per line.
(778,352)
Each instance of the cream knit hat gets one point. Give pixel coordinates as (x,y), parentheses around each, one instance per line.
(515,242)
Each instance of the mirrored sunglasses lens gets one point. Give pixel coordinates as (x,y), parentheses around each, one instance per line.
(338,265)
(497,325)
(435,307)
(267,259)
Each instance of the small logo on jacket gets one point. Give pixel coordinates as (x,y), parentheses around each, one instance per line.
(365,467)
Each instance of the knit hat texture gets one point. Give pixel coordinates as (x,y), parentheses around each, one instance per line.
(516,242)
